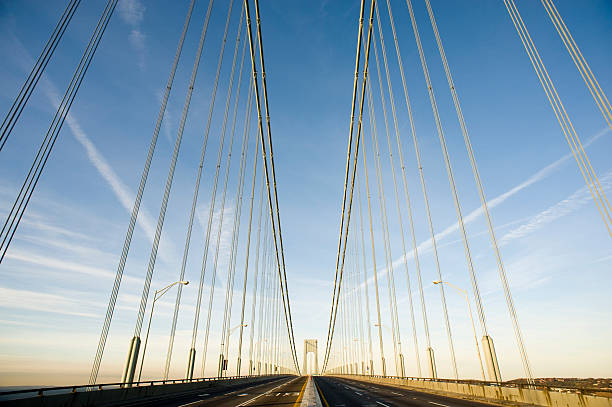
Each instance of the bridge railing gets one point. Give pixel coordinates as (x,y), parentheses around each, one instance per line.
(48,391)
(533,386)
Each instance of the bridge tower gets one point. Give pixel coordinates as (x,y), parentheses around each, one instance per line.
(310,346)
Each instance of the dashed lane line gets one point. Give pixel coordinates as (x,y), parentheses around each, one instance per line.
(266,393)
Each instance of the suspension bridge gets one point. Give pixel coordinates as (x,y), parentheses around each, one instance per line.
(236,242)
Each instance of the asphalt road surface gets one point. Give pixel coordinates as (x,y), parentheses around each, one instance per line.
(342,392)
(281,392)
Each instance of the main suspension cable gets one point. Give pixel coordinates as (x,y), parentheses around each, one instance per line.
(44,151)
(275,223)
(589,175)
(22,98)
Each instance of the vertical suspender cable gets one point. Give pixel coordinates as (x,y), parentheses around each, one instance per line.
(168,186)
(237,213)
(431,359)
(383,103)
(278,221)
(187,243)
(374,266)
(365,281)
(348,161)
(483,201)
(191,360)
(385,225)
(133,355)
(356,154)
(224,194)
(143,180)
(248,249)
(287,309)
(397,198)
(453,188)
(255,280)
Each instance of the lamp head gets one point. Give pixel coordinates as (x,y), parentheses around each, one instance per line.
(184,282)
(437,282)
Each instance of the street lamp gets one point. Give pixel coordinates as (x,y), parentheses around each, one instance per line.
(236,327)
(158,294)
(222,360)
(467,299)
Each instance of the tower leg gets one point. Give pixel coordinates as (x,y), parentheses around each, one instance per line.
(130,363)
(491,359)
(191,363)
(433,373)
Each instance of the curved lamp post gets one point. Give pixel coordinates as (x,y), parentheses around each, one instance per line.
(158,294)
(467,299)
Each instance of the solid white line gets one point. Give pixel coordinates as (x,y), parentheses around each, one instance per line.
(397,394)
(382,404)
(438,404)
(263,394)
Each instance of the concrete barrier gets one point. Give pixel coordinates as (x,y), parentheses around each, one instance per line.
(496,393)
(117,396)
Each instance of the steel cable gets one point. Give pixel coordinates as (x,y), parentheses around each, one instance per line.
(42,156)
(365,280)
(353,172)
(215,182)
(397,197)
(255,279)
(562,117)
(22,98)
(483,200)
(136,208)
(278,221)
(282,273)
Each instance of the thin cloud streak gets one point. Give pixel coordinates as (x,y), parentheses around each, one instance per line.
(121,191)
(560,209)
(545,172)
(492,203)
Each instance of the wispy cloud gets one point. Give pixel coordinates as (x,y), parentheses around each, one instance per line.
(558,210)
(562,208)
(132,13)
(121,191)
(61,265)
(41,302)
(226,231)
(492,203)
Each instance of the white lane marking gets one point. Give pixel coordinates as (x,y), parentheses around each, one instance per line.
(397,394)
(438,404)
(263,394)
(382,404)
(204,395)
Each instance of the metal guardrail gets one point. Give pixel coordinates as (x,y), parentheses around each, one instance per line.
(566,389)
(42,391)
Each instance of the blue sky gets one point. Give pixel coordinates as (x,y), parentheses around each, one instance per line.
(58,273)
